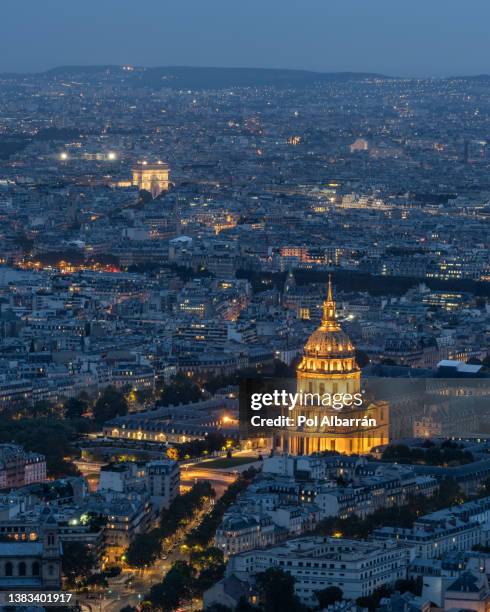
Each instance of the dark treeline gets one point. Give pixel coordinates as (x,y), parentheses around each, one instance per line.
(349,280)
(16,142)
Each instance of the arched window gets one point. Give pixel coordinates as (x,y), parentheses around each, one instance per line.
(36,568)
(22,568)
(9,569)
(50,539)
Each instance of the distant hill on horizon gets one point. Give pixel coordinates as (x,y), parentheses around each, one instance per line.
(194,77)
(189,77)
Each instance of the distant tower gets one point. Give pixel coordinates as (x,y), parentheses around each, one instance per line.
(290,282)
(151,177)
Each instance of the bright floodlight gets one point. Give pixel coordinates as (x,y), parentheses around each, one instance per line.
(63,156)
(111,156)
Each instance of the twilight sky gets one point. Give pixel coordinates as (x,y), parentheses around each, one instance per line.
(397,37)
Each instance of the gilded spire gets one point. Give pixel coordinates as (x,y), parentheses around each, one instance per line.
(329,293)
(329,318)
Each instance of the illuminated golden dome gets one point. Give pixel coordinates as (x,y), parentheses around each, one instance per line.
(328,342)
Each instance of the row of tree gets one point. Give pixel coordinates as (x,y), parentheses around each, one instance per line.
(186,580)
(111,402)
(353,280)
(202,535)
(213,442)
(447,453)
(145,548)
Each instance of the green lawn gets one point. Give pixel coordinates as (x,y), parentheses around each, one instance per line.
(224,463)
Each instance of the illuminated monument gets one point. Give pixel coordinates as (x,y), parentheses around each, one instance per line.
(151,177)
(329,367)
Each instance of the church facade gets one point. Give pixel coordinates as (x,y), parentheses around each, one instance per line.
(32,566)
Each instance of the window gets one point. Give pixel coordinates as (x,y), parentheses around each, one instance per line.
(22,569)
(9,569)
(35,568)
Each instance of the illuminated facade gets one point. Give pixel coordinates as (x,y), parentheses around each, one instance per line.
(329,367)
(151,177)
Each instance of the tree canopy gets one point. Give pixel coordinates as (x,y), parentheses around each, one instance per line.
(111,403)
(144,549)
(276,590)
(77,562)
